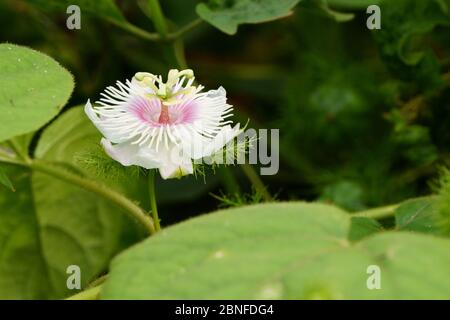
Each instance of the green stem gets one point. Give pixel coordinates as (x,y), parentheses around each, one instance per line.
(378,213)
(153,204)
(158,18)
(126,204)
(256,181)
(185,29)
(138,31)
(151,36)
(88,294)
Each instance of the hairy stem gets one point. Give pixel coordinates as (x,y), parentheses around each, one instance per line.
(153,204)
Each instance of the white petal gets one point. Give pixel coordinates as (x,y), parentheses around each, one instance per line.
(170,171)
(110,134)
(131,154)
(175,163)
(211,112)
(200,147)
(220,92)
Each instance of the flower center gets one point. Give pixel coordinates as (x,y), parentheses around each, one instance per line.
(178,84)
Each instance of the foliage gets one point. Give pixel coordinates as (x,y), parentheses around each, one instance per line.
(226,15)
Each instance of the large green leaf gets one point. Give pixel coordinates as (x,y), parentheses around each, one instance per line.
(50,224)
(33,89)
(227,15)
(278,251)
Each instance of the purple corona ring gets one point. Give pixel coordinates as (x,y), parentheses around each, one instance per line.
(162,125)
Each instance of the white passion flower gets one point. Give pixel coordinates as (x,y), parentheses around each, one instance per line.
(162,125)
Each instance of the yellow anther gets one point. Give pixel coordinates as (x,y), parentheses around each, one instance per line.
(188,73)
(150,83)
(141,75)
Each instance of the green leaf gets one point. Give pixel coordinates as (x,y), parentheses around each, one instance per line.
(4,180)
(23,269)
(345,194)
(33,89)
(105,9)
(50,224)
(228,15)
(417,215)
(362,227)
(278,251)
